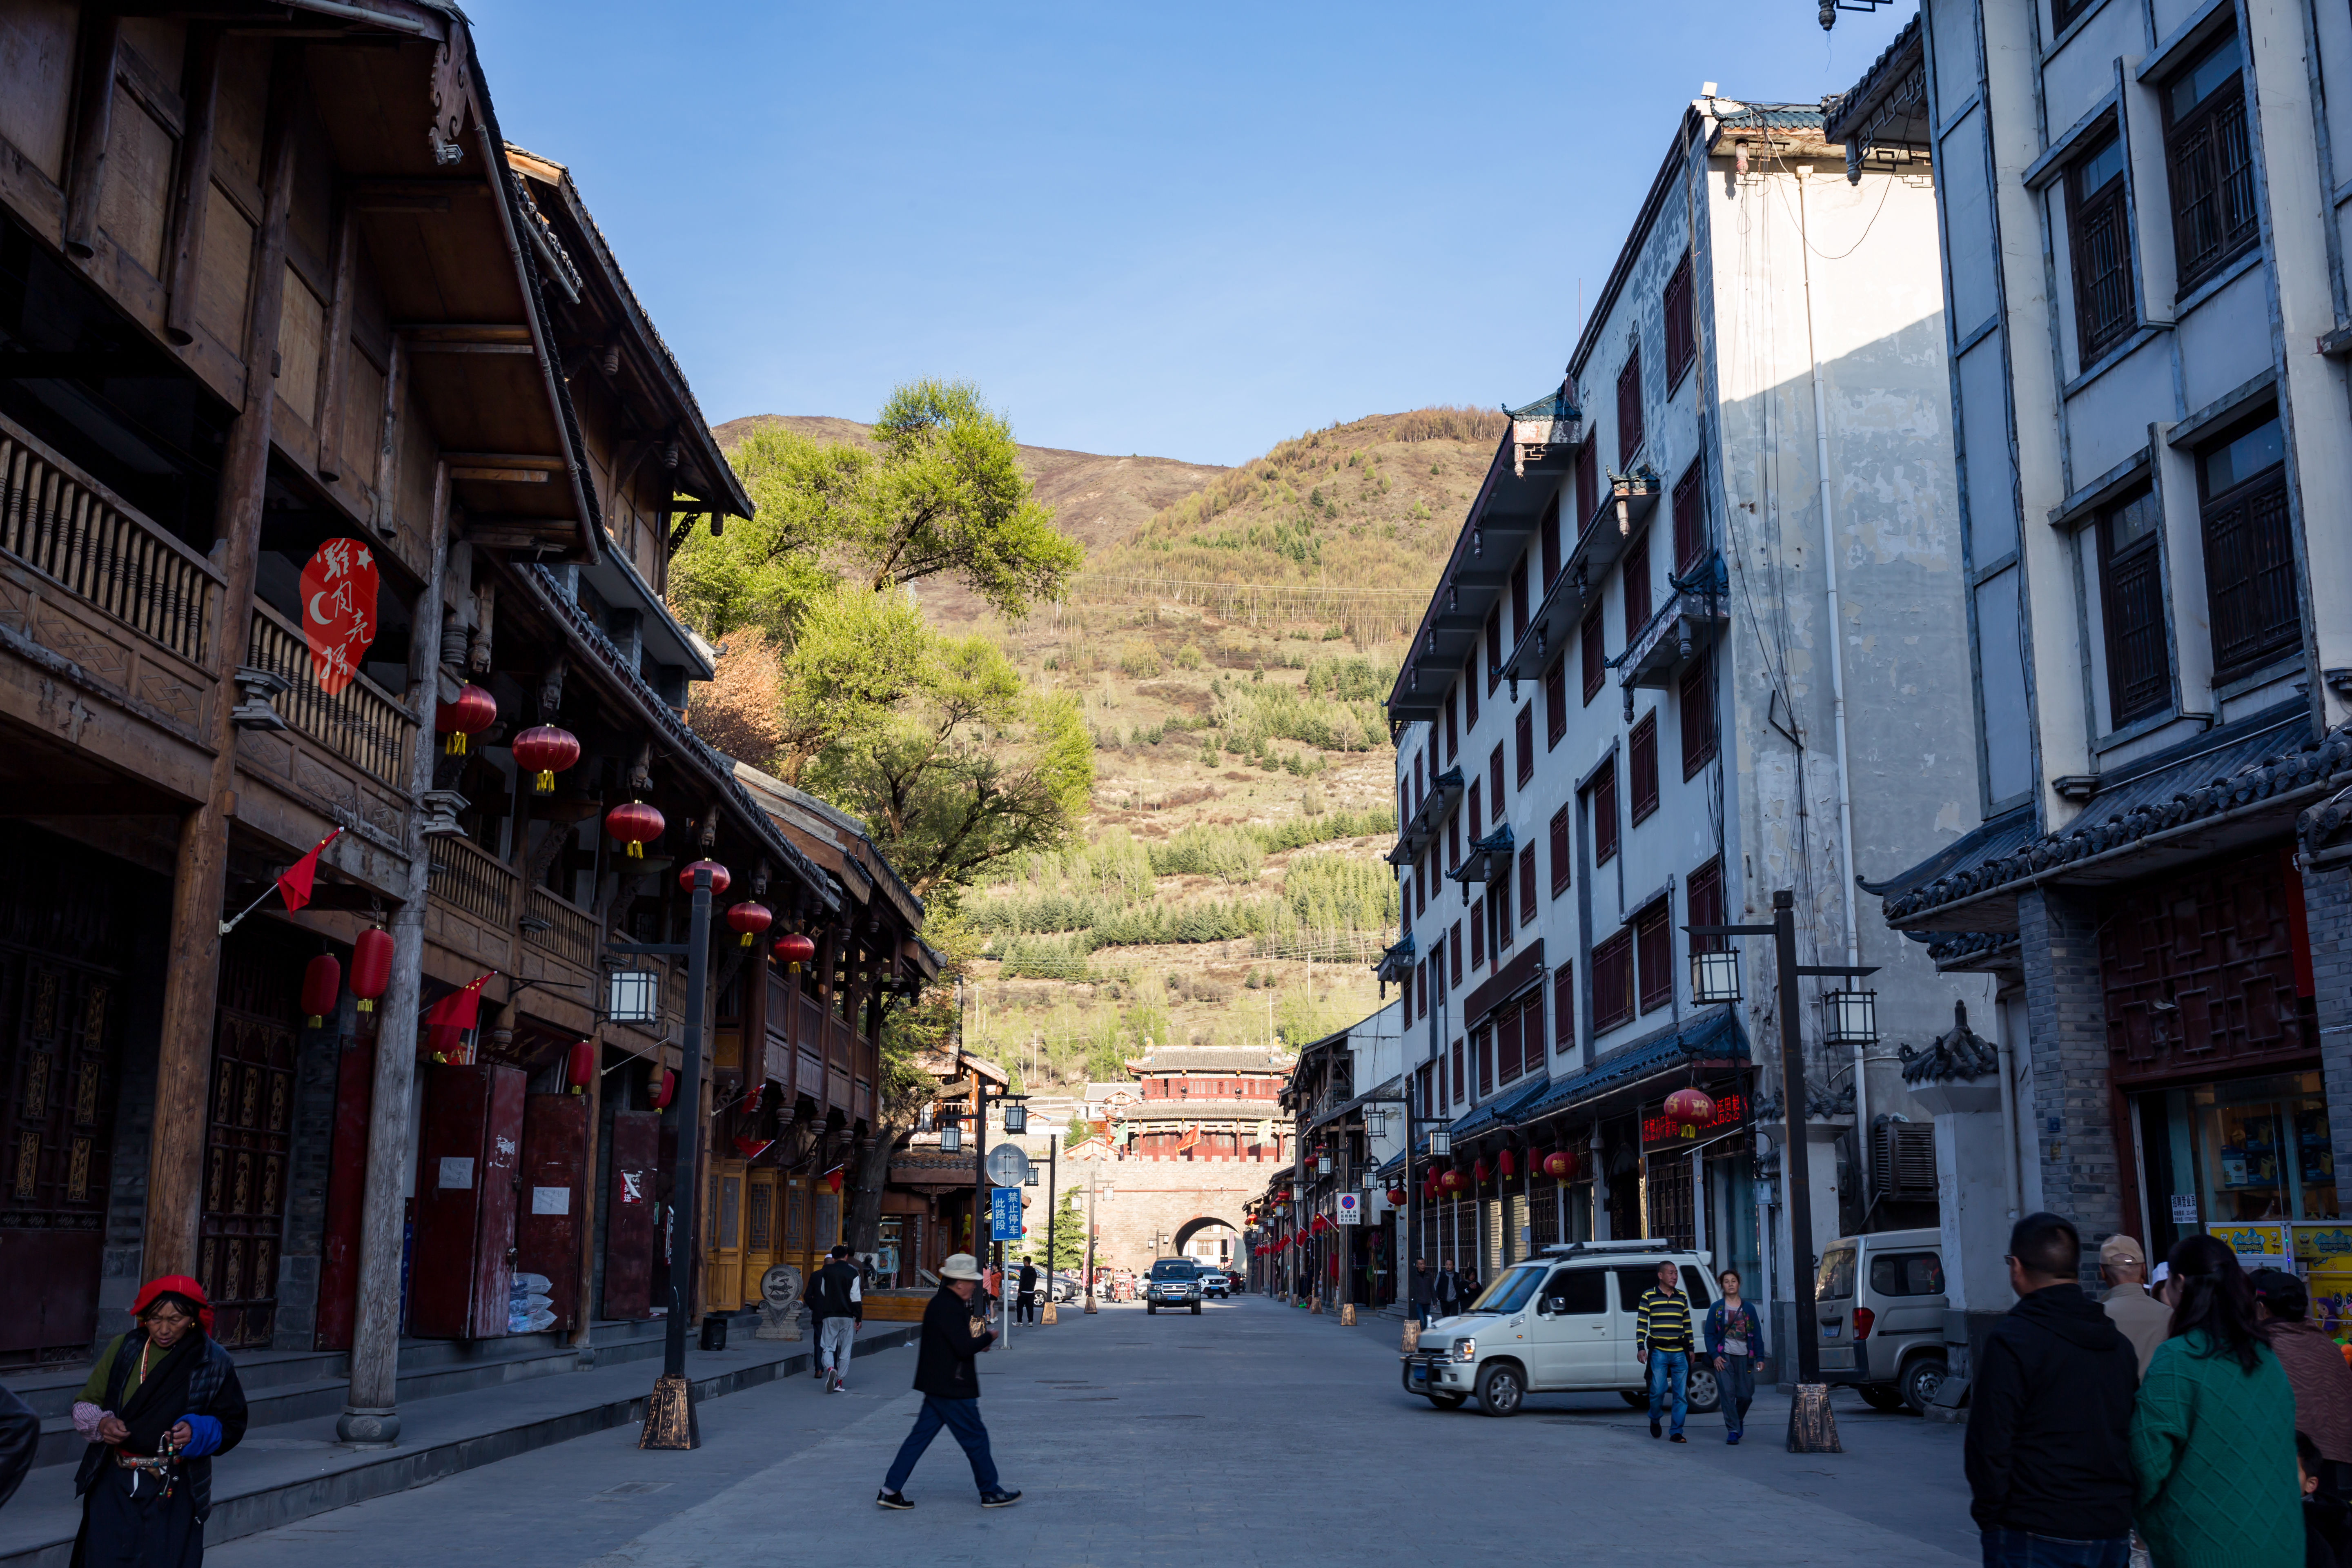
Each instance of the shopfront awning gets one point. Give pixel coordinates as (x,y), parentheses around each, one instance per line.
(1715,1035)
(1503,1110)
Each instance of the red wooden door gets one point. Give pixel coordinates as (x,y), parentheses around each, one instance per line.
(547,1222)
(339,1260)
(467,1160)
(248,1138)
(629,1217)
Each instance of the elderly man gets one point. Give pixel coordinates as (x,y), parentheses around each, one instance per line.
(949,1382)
(2144,1320)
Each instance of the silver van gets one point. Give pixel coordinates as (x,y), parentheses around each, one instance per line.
(1880,1299)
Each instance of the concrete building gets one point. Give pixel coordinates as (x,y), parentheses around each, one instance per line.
(1698,641)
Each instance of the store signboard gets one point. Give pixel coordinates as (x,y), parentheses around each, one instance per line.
(1657,1130)
(2261,1245)
(2317,1241)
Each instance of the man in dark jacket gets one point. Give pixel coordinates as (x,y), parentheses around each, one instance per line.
(1422,1291)
(950,1384)
(837,1305)
(2049,1446)
(1028,1292)
(1448,1287)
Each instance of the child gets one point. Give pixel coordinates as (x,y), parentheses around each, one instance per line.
(2323,1520)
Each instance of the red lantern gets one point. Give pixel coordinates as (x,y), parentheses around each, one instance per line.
(544,752)
(322,983)
(1510,1165)
(1396,1197)
(1478,1173)
(371,967)
(1689,1108)
(1454,1182)
(719,877)
(635,824)
(663,1087)
(1560,1164)
(750,918)
(579,1067)
(472,711)
(795,950)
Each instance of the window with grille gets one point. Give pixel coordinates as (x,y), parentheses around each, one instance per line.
(1494,648)
(1470,692)
(1696,695)
(1563,1008)
(1629,410)
(2099,232)
(1604,815)
(1588,485)
(2064,12)
(1527,739)
(1519,605)
(2249,549)
(1642,765)
(1703,900)
(1637,586)
(1690,519)
(1527,884)
(1653,948)
(1682,327)
(2211,163)
(1494,787)
(1454,941)
(1612,983)
(1477,934)
(1560,873)
(1555,702)
(1549,530)
(2131,592)
(1595,653)
(1421,989)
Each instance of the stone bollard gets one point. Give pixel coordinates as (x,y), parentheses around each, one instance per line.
(1315,1306)
(1347,1314)
(1050,1317)
(780,1304)
(1412,1336)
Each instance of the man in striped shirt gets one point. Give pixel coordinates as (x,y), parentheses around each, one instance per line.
(1662,1339)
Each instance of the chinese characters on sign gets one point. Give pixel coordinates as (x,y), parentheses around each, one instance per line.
(338,588)
(1730,1110)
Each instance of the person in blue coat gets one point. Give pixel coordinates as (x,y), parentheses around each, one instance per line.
(1735,1344)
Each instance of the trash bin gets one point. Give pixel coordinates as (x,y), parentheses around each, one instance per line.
(714,1334)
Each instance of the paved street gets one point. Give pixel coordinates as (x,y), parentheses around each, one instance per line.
(1252,1434)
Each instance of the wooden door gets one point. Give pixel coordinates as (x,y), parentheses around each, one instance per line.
(554,1176)
(339,1250)
(723,1263)
(629,1215)
(62,1061)
(760,1230)
(467,1160)
(494,1245)
(248,1138)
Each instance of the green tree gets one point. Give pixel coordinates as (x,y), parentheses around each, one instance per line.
(1069,1236)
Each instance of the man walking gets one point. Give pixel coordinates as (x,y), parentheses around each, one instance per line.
(1421,1288)
(1448,1286)
(1662,1342)
(949,1380)
(836,1304)
(2050,1415)
(2143,1318)
(1028,1291)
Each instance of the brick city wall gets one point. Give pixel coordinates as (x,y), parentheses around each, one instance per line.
(1150,1198)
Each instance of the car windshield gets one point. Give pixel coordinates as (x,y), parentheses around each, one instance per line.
(1168,1269)
(1510,1290)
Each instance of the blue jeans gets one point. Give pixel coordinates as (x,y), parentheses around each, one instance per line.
(1670,1368)
(1421,1313)
(2023,1549)
(960,1416)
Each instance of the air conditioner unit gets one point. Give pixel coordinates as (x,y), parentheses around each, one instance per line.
(1903,1161)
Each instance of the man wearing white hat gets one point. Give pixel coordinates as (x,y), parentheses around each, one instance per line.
(949,1380)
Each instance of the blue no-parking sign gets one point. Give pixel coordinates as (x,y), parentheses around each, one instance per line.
(1004,1214)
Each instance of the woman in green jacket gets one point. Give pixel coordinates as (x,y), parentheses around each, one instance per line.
(2213,1434)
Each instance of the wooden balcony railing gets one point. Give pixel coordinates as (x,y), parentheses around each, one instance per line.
(469,880)
(570,932)
(362,724)
(70,529)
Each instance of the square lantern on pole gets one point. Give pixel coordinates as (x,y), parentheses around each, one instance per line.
(1715,976)
(633,997)
(1376,1123)
(950,1132)
(1850,1017)
(1440,1142)
(1017,1118)
(1322,1164)
(1372,1178)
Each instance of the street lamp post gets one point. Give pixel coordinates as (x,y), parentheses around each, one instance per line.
(1086,1282)
(1053,1171)
(1813,1430)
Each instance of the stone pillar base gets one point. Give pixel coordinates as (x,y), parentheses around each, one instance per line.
(669,1415)
(361,1427)
(1812,1428)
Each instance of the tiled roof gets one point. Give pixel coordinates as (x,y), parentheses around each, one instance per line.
(1774,117)
(1889,73)
(1209,1058)
(1962,1054)
(1199,1110)
(1715,1034)
(1501,1111)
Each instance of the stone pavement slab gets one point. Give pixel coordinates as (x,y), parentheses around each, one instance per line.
(1250,1435)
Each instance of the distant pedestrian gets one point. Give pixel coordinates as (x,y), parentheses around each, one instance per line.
(949,1380)
(2314,1370)
(1448,1287)
(2212,1438)
(2144,1320)
(2050,1415)
(1735,1339)
(20,1434)
(1662,1344)
(837,1303)
(1028,1292)
(1421,1292)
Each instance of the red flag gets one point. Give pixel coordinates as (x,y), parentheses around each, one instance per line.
(749,1148)
(833,1177)
(449,1019)
(295,881)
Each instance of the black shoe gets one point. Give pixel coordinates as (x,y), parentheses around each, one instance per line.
(1000,1498)
(1678,1437)
(889,1499)
(1655,1430)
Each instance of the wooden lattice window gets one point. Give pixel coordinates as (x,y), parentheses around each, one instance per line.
(1563,1008)
(1588,486)
(1496,787)
(1561,869)
(1549,530)
(1612,983)
(1525,736)
(1702,898)
(2249,550)
(1470,693)
(2210,158)
(1594,652)
(1555,702)
(1682,327)
(1454,940)
(1520,608)
(1637,586)
(2099,231)
(1629,409)
(1527,884)
(1494,648)
(1604,815)
(2131,592)
(1653,947)
(1696,699)
(1690,519)
(1642,765)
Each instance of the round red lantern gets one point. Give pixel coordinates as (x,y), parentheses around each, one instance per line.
(795,950)
(663,1087)
(470,712)
(1454,1182)
(1689,1108)
(371,967)
(579,1067)
(1560,1164)
(749,917)
(719,877)
(1396,1197)
(635,824)
(1510,1165)
(543,750)
(322,984)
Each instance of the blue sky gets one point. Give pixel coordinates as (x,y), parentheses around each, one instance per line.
(1187,230)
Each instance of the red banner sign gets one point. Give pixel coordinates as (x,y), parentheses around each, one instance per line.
(1730,1110)
(339,610)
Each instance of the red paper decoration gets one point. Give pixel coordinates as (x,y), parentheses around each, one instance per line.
(795,950)
(1560,1164)
(1510,1165)
(543,750)
(322,984)
(635,824)
(1454,1182)
(1689,1107)
(580,1066)
(1479,1172)
(749,917)
(663,1087)
(339,587)
(719,877)
(371,967)
(1396,1197)
(470,712)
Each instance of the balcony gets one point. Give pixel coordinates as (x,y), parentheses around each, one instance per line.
(363,724)
(1682,627)
(471,879)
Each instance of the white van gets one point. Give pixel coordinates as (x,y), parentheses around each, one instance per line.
(1560,1322)
(1880,1300)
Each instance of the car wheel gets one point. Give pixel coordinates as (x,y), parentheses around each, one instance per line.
(1447,1401)
(1196,1309)
(1501,1387)
(1880,1397)
(1149,1309)
(1634,1397)
(1702,1395)
(1920,1380)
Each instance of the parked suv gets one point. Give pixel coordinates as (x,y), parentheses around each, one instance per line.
(1881,1302)
(1214,1282)
(1174,1283)
(1560,1322)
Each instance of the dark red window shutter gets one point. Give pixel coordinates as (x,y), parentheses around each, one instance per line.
(1595,653)
(1604,815)
(1561,869)
(1563,1008)
(1527,739)
(1527,884)
(1629,410)
(1642,751)
(1555,702)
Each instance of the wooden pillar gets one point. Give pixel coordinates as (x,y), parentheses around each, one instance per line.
(582,1335)
(184,261)
(101,43)
(199,879)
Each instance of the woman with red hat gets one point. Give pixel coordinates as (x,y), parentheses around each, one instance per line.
(161,1401)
